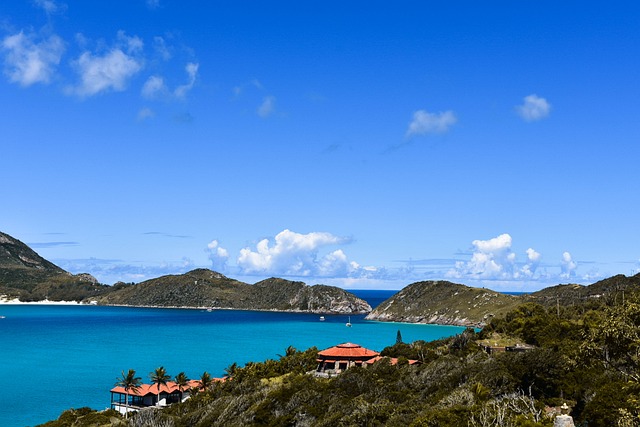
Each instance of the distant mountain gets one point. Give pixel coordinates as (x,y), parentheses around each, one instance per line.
(209,289)
(449,303)
(26,275)
(444,303)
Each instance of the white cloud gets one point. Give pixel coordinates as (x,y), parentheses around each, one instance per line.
(534,108)
(424,122)
(28,61)
(218,256)
(153,4)
(568,266)
(50,6)
(493,259)
(533,255)
(161,48)
(111,70)
(192,71)
(497,244)
(267,107)
(295,254)
(154,87)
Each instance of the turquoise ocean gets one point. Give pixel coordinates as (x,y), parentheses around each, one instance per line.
(56,357)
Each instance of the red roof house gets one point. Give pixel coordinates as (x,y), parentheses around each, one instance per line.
(148,395)
(336,359)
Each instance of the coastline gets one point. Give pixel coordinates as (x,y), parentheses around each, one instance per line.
(15,301)
(5,301)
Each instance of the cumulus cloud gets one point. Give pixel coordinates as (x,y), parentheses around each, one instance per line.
(28,61)
(568,266)
(534,108)
(192,72)
(424,122)
(267,107)
(111,70)
(218,256)
(296,254)
(533,257)
(493,259)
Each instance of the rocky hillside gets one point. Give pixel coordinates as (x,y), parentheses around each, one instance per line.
(449,303)
(444,303)
(571,294)
(26,275)
(206,288)
(286,295)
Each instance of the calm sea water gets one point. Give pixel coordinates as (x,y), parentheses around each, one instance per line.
(57,357)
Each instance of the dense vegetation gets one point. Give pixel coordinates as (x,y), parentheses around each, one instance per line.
(446,303)
(206,288)
(586,355)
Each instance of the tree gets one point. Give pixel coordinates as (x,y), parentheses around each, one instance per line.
(615,340)
(129,382)
(159,377)
(205,380)
(231,369)
(182,382)
(289,351)
(399,337)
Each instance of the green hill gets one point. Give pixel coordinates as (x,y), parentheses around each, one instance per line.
(572,294)
(206,288)
(26,275)
(449,303)
(444,303)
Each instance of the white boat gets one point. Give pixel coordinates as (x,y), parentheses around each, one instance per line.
(349,322)
(322,318)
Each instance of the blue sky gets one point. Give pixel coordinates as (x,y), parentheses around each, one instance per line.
(358,144)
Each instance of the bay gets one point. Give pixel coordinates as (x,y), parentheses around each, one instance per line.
(56,357)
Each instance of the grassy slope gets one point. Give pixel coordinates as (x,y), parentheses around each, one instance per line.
(444,302)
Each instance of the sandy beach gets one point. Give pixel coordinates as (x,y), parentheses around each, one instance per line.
(5,300)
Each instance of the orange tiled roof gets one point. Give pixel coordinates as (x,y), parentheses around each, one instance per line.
(170,387)
(348,350)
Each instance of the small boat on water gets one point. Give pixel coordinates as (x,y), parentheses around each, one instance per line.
(322,318)
(349,322)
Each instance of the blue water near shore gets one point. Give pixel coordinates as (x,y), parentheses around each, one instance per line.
(54,357)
